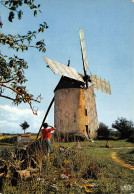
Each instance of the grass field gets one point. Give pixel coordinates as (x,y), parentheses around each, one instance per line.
(101,144)
(112,177)
(127,155)
(85,170)
(6,136)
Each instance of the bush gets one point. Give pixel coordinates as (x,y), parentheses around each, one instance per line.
(125,127)
(103,131)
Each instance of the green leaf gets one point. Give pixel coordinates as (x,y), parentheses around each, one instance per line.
(44,50)
(6,3)
(13,8)
(38,43)
(35,13)
(20,13)
(11,16)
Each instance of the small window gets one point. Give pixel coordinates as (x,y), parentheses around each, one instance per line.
(86,112)
(87,129)
(75,117)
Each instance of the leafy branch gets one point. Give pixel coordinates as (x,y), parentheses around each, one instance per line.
(13,5)
(12,69)
(22,43)
(13,73)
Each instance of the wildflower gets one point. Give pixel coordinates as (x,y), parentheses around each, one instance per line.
(88,191)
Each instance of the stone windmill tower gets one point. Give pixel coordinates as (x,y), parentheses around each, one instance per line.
(75,107)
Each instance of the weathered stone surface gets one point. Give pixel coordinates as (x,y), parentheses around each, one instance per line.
(75,112)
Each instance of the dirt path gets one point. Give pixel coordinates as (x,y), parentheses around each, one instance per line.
(120,161)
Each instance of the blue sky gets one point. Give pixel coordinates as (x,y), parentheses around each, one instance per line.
(109,36)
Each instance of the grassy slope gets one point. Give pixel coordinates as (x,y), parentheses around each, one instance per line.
(127,155)
(111,177)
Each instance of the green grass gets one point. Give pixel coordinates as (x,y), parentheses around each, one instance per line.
(112,177)
(90,165)
(127,155)
(33,137)
(114,144)
(6,136)
(101,144)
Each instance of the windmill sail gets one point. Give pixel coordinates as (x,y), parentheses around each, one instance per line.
(63,70)
(83,50)
(101,85)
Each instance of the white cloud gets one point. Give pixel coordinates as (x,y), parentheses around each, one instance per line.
(2,123)
(15,113)
(12,117)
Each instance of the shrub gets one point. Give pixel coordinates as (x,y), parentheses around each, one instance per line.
(103,131)
(125,127)
(91,171)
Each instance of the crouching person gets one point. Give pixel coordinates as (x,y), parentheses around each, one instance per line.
(46,136)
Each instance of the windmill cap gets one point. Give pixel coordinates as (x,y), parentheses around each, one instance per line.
(66,82)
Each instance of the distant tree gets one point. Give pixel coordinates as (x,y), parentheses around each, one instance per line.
(103,131)
(24,126)
(125,127)
(12,68)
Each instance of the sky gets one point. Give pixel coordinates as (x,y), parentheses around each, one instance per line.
(109,37)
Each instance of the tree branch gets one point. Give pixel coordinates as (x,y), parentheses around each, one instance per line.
(28,99)
(5,82)
(7,97)
(4,4)
(14,90)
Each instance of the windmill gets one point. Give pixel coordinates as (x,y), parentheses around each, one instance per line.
(75,107)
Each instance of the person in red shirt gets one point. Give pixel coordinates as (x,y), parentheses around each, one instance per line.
(46,136)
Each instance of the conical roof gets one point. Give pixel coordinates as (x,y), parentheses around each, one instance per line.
(66,82)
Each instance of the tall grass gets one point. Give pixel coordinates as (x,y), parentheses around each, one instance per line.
(90,168)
